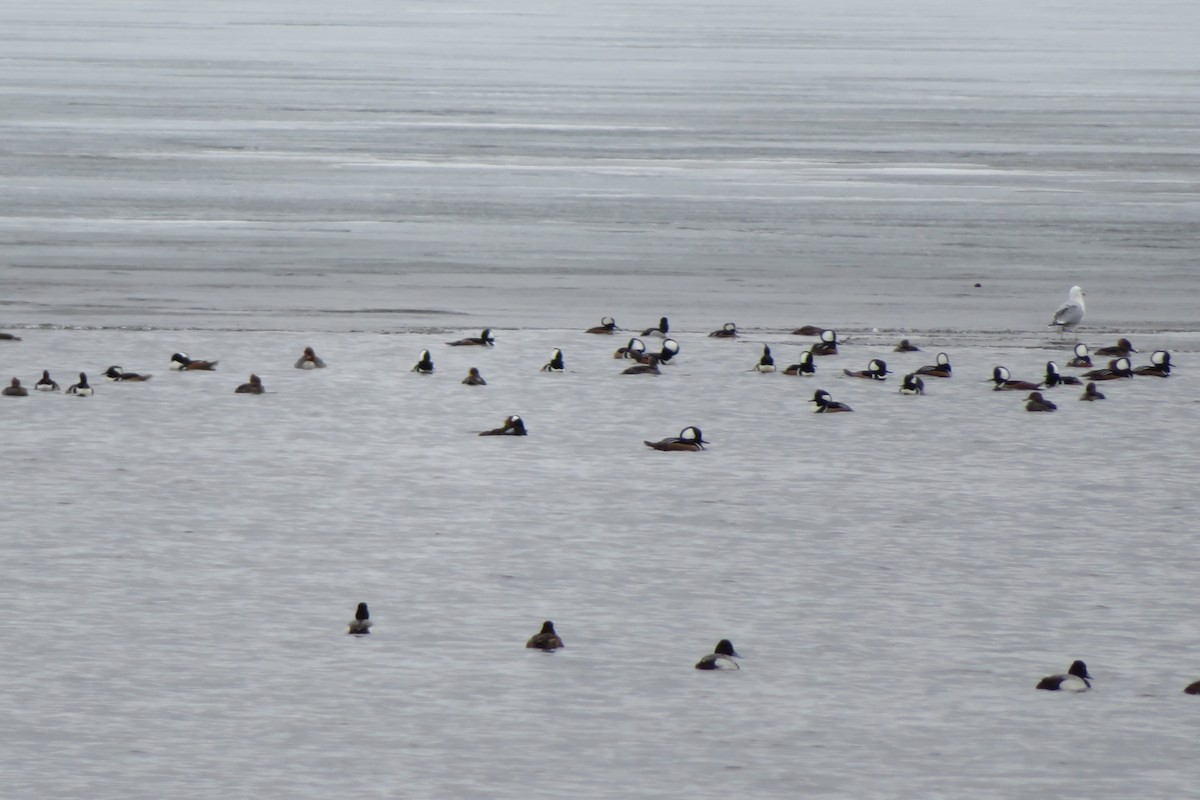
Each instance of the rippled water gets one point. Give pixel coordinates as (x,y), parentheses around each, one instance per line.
(238,181)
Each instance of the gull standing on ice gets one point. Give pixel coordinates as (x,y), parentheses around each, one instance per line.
(1070,313)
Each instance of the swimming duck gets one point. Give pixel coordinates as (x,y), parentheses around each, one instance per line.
(1192,688)
(9,337)
(513,426)
(808,330)
(474,378)
(310,360)
(1002,378)
(1121,348)
(722,657)
(1159,366)
(805,367)
(661,330)
(1081,359)
(689,438)
(255,386)
(939,370)
(180,361)
(1039,403)
(912,385)
(555,364)
(670,349)
(484,339)
(876,370)
(424,365)
(1077,679)
(632,349)
(826,404)
(80,389)
(827,346)
(545,639)
(118,374)
(1070,313)
(361,624)
(1117,368)
(607,326)
(1055,378)
(648,367)
(906,346)
(727,331)
(766,362)
(1090,392)
(15,389)
(46,384)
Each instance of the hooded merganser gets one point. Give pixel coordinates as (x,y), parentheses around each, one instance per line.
(876,370)
(118,374)
(474,378)
(912,385)
(180,361)
(310,360)
(939,370)
(513,426)
(689,438)
(607,326)
(766,363)
(805,367)
(556,363)
(826,404)
(15,389)
(906,346)
(827,346)
(1003,380)
(424,365)
(1121,348)
(1055,378)
(1117,368)
(484,339)
(255,386)
(727,331)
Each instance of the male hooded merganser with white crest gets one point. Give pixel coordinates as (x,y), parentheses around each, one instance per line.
(827,346)
(632,349)
(912,385)
(1076,679)
(876,370)
(9,337)
(180,361)
(1055,378)
(727,331)
(1117,368)
(310,360)
(484,339)
(1039,403)
(1070,313)
(766,362)
(46,384)
(805,367)
(1121,348)
(689,438)
(361,624)
(826,404)
(906,346)
(670,349)
(424,366)
(255,386)
(649,366)
(545,639)
(513,426)
(1090,392)
(1082,357)
(1159,366)
(722,657)
(118,374)
(15,389)
(808,330)
(556,363)
(474,378)
(661,330)
(607,326)
(1004,382)
(80,389)
(939,370)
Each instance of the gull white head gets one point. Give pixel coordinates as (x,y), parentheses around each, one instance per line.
(1070,313)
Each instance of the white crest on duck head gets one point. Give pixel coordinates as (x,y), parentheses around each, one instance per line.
(821,396)
(692,433)
(636,345)
(1122,364)
(729,327)
(829,336)
(670,347)
(608,322)
(1000,374)
(1160,357)
(1081,350)
(1051,368)
(943,360)
(877,366)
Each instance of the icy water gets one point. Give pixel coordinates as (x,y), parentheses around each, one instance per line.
(240,180)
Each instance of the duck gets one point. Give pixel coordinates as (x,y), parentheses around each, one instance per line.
(118,374)
(1082,357)
(809,330)
(827,346)
(424,365)
(1159,366)
(1090,392)
(545,639)
(361,624)
(722,657)
(1003,380)
(555,364)
(81,389)
(1039,403)
(513,426)
(1070,313)
(766,362)
(806,366)
(941,369)
(826,404)
(15,389)
(727,331)
(9,337)
(46,384)
(310,360)
(484,339)
(1076,679)
(661,330)
(670,349)
(1192,688)
(632,349)
(876,370)
(1055,378)
(180,361)
(690,438)
(1121,348)
(607,326)
(906,346)
(255,386)
(474,378)
(912,384)
(1117,368)
(648,367)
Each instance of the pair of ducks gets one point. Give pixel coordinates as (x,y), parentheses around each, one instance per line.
(424,366)
(608,326)
(720,658)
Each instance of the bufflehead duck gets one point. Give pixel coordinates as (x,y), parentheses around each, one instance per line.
(474,378)
(1159,366)
(424,366)
(1090,392)
(607,326)
(556,363)
(8,337)
(939,370)
(805,367)
(689,438)
(118,374)
(15,389)
(632,349)
(876,370)
(648,367)
(545,639)
(722,657)
(513,426)
(661,330)
(46,384)
(669,350)
(912,385)
(1121,348)
(1070,313)
(255,386)
(181,361)
(1117,368)
(1003,380)
(1082,358)
(484,339)
(826,404)
(827,346)
(80,389)
(361,624)
(1055,378)
(1077,679)
(1039,403)
(728,331)
(766,362)
(906,346)
(808,330)
(310,360)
